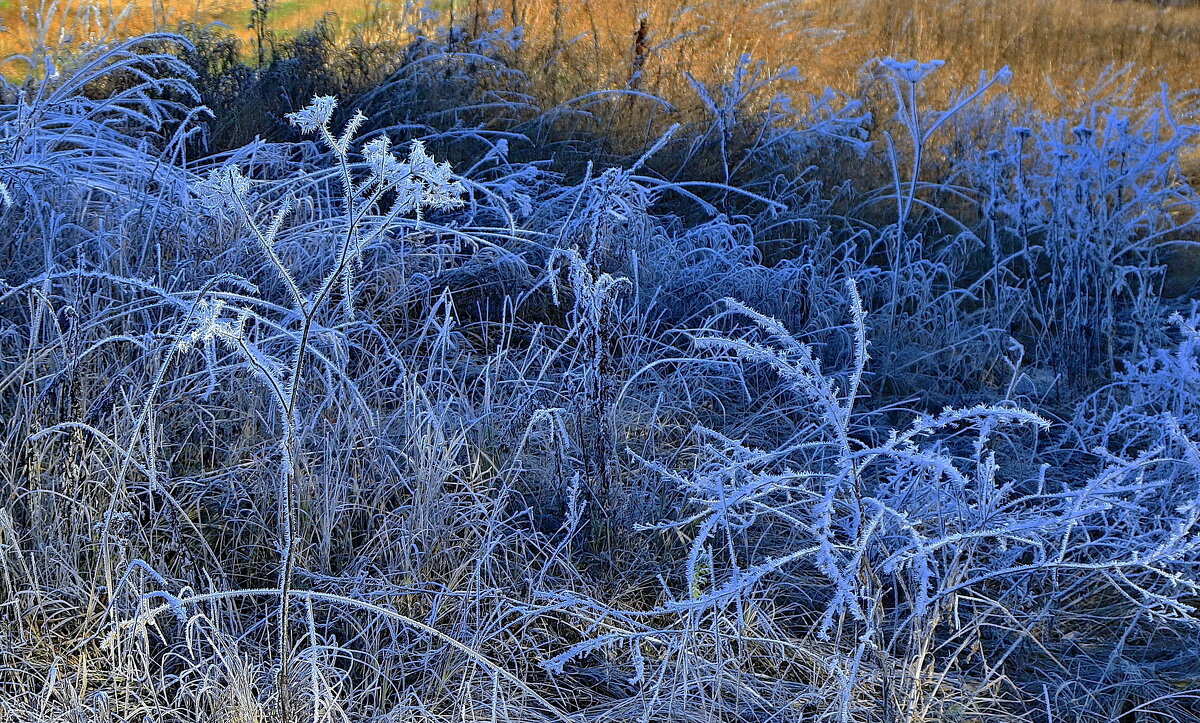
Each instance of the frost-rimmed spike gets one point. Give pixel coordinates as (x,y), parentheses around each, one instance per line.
(315,116)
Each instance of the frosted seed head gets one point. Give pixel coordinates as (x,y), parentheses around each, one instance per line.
(375,151)
(315,116)
(911,71)
(418,181)
(440,188)
(209,327)
(225,189)
(419,161)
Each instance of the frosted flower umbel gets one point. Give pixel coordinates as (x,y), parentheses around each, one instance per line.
(379,159)
(441,188)
(911,71)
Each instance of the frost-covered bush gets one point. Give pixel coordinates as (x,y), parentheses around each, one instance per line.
(1076,212)
(1155,395)
(877,544)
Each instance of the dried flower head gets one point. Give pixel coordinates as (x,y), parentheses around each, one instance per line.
(209,327)
(419,181)
(225,189)
(315,116)
(441,188)
(911,71)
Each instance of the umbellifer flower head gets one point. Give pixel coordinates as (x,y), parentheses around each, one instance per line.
(912,71)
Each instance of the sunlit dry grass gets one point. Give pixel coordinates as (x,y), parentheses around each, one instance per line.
(587,44)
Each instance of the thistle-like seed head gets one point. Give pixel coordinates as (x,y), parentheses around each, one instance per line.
(315,116)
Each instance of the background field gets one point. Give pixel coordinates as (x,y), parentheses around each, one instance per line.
(1044,41)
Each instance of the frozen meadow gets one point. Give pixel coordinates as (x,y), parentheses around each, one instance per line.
(443,405)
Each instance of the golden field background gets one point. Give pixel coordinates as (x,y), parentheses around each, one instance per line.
(600,43)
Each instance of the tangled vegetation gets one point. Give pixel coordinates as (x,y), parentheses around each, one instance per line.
(425,401)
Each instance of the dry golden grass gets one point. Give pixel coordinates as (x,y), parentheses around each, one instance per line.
(1045,42)
(586,44)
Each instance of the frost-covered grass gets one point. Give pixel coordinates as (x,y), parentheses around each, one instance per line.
(451,409)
